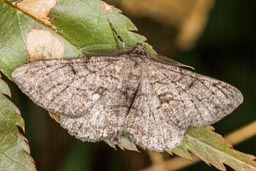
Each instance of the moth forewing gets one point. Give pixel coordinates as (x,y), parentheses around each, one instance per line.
(107,98)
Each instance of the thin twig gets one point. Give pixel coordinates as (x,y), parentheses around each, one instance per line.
(156,158)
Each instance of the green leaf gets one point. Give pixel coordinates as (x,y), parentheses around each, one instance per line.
(14,27)
(84,28)
(181,151)
(92,26)
(14,150)
(4,89)
(214,150)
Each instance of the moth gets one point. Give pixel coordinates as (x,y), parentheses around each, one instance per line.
(131,95)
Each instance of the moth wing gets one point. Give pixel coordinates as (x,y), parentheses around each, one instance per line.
(171,99)
(104,120)
(146,124)
(70,87)
(189,99)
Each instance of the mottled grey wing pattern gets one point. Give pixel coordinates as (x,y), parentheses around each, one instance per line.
(189,99)
(170,100)
(149,126)
(106,118)
(103,120)
(70,87)
(105,98)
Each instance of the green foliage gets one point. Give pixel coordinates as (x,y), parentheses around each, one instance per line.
(13,52)
(83,32)
(214,150)
(4,89)
(14,150)
(92,26)
(85,28)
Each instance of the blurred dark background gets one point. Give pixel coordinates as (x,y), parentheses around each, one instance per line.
(225,50)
